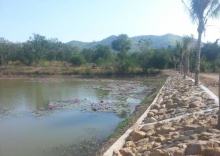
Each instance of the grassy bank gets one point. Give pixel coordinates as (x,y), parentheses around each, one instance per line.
(87,70)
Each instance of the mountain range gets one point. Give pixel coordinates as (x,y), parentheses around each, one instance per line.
(162,41)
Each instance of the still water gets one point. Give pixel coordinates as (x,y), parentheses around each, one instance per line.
(23,132)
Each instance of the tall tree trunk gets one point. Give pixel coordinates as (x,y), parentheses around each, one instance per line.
(218,124)
(197,70)
(184,65)
(187,64)
(2,60)
(181,65)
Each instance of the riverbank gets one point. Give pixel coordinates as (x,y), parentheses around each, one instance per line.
(86,71)
(181,122)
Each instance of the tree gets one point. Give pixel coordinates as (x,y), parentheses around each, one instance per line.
(53,49)
(210,52)
(134,58)
(159,59)
(145,54)
(39,45)
(187,45)
(102,54)
(179,49)
(144,60)
(66,53)
(122,44)
(88,54)
(4,50)
(15,51)
(174,56)
(77,60)
(26,56)
(144,44)
(200,12)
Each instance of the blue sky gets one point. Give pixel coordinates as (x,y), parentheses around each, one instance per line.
(94,20)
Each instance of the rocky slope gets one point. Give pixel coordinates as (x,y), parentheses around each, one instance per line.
(180,123)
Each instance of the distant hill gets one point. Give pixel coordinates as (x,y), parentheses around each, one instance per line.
(162,41)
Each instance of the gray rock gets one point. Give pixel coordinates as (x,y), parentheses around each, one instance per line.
(142,142)
(136,135)
(195,104)
(212,151)
(196,147)
(150,114)
(126,152)
(147,128)
(150,120)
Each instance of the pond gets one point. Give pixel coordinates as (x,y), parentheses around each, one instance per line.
(50,117)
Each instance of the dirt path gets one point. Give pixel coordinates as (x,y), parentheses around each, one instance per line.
(210,81)
(211,76)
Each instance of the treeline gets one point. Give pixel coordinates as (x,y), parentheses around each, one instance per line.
(210,57)
(184,56)
(39,49)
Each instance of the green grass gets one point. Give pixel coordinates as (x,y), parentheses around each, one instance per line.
(150,98)
(123,124)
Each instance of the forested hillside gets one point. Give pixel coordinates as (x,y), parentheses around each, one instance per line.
(162,41)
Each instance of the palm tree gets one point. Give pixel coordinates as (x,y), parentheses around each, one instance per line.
(187,44)
(174,58)
(200,11)
(179,48)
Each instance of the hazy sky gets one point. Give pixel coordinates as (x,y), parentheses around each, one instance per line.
(89,20)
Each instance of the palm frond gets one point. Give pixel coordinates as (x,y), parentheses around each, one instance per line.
(189,9)
(194,9)
(201,10)
(216,12)
(210,8)
(187,43)
(213,10)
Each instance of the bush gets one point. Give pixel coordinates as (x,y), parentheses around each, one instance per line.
(88,71)
(77,60)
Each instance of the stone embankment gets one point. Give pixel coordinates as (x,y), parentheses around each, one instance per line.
(181,122)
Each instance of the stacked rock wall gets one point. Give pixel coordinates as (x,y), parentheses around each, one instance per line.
(181,122)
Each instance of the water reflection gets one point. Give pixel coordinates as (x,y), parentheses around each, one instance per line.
(21,93)
(123,114)
(25,136)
